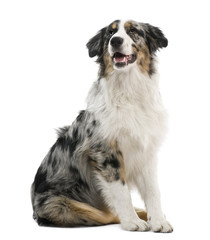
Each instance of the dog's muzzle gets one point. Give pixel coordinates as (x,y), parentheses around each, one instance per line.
(121,60)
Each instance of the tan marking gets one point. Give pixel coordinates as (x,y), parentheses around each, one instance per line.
(87,212)
(113,144)
(122,168)
(142,214)
(143,58)
(114,25)
(127,25)
(108,64)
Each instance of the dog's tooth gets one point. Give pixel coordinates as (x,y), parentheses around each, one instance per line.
(126,60)
(129,57)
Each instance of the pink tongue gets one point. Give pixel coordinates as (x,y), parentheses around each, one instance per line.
(122,58)
(119,59)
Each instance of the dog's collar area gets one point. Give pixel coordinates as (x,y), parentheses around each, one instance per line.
(121,60)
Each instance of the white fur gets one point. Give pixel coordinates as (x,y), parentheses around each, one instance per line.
(129,107)
(127,50)
(118,198)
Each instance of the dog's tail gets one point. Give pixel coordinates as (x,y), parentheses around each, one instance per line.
(64,212)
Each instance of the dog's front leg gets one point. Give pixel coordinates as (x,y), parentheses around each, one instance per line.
(111,182)
(148,187)
(117,196)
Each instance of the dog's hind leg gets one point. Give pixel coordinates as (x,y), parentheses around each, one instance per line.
(62,211)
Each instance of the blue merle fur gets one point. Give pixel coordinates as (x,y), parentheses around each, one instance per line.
(71,166)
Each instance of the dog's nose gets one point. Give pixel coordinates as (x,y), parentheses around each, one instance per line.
(116,42)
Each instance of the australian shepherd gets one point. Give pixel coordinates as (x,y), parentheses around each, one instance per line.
(111,147)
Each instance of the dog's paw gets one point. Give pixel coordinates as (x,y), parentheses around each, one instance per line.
(160,225)
(135,225)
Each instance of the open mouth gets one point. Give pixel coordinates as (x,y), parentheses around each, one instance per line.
(121,60)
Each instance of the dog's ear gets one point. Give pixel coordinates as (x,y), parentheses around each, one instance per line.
(155,38)
(95,44)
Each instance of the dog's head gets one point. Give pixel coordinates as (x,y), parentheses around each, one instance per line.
(124,44)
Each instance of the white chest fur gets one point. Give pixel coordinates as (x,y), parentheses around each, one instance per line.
(129,108)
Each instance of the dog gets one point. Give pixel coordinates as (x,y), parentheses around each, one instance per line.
(111,147)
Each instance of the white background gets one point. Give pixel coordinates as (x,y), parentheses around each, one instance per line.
(45,75)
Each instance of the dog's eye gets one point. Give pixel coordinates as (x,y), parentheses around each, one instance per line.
(132,30)
(111,32)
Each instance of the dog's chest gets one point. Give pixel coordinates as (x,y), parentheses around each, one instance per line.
(137,123)
(139,130)
(131,114)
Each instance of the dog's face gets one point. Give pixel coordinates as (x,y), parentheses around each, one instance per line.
(124,44)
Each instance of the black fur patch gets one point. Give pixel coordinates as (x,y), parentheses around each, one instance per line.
(151,66)
(40,181)
(112,161)
(42,200)
(140,32)
(63,142)
(62,131)
(89,133)
(69,143)
(79,183)
(54,165)
(155,39)
(81,116)
(44,222)
(95,44)
(135,33)
(72,145)
(75,135)
(94,123)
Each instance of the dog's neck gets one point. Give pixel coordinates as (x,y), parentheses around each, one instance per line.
(124,88)
(131,85)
